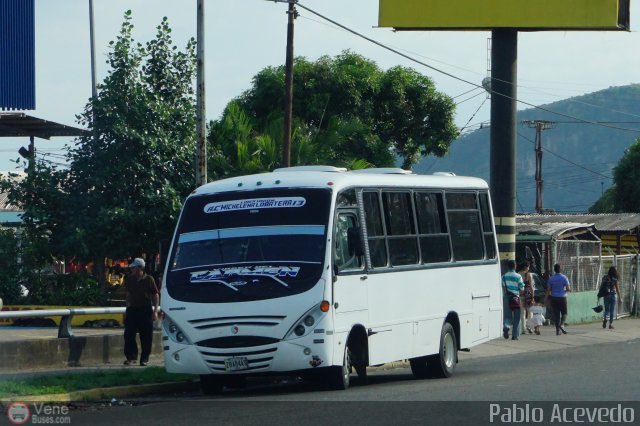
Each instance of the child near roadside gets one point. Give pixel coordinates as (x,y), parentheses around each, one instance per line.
(538,315)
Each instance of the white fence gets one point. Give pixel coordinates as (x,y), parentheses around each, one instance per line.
(627,266)
(64,330)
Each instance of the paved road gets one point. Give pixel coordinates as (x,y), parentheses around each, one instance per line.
(574,377)
(578,335)
(536,369)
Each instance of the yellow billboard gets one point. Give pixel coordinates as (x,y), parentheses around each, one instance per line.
(537,15)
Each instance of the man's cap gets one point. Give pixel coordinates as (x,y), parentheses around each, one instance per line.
(137,263)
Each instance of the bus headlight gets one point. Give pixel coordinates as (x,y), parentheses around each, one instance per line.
(309,320)
(306,323)
(173,331)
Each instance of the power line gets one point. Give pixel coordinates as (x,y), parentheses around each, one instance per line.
(397,52)
(474,114)
(532,88)
(565,159)
(468,91)
(471,97)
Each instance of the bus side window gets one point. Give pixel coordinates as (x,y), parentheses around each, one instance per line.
(487,227)
(464,223)
(348,253)
(375,229)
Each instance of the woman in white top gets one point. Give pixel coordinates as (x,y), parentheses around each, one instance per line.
(526,301)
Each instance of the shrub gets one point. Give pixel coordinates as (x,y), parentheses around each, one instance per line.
(73,289)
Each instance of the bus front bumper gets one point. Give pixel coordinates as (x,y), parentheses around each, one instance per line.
(305,353)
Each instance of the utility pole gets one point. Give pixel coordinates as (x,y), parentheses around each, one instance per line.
(94,90)
(539,125)
(504,61)
(201,126)
(292,14)
(92,41)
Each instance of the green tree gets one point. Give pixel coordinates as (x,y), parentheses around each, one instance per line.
(10,290)
(42,200)
(606,203)
(239,149)
(127,184)
(626,176)
(346,110)
(127,177)
(624,195)
(414,116)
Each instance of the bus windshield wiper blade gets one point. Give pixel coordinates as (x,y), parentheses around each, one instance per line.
(280,281)
(225,283)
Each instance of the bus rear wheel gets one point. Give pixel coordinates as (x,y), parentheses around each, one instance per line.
(444,362)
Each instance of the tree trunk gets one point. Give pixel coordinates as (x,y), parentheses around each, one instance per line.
(99,273)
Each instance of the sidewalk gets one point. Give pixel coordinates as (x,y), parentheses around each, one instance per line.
(577,335)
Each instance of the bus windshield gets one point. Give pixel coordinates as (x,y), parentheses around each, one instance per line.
(249,245)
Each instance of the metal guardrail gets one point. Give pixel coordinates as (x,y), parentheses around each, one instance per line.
(66,314)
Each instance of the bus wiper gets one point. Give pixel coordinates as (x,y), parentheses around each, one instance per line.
(280,281)
(225,283)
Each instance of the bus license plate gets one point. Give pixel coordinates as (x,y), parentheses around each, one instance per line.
(236,363)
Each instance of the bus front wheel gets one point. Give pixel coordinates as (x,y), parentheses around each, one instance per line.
(444,362)
(339,377)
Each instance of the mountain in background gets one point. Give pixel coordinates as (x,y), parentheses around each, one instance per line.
(578,158)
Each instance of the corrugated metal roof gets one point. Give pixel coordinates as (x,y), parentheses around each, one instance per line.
(5,206)
(553,230)
(14,124)
(605,222)
(17,55)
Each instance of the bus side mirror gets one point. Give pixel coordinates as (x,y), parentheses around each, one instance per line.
(354,242)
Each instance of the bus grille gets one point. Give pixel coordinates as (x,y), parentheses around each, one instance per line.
(237,342)
(216,322)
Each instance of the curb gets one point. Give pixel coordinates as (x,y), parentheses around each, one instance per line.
(140,390)
(108,393)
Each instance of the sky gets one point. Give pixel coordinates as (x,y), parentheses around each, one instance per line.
(244,36)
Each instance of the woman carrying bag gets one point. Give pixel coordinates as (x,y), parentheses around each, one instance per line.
(609,291)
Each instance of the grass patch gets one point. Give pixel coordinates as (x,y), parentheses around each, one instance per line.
(47,385)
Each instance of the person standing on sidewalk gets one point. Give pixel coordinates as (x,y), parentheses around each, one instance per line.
(512,287)
(557,288)
(527,300)
(610,283)
(142,307)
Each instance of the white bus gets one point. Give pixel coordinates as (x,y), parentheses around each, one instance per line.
(319,271)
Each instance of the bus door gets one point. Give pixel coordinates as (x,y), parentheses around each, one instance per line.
(350,280)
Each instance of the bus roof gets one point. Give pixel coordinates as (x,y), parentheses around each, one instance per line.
(339,178)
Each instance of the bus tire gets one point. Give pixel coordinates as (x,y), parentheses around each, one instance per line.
(211,384)
(339,377)
(444,362)
(358,356)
